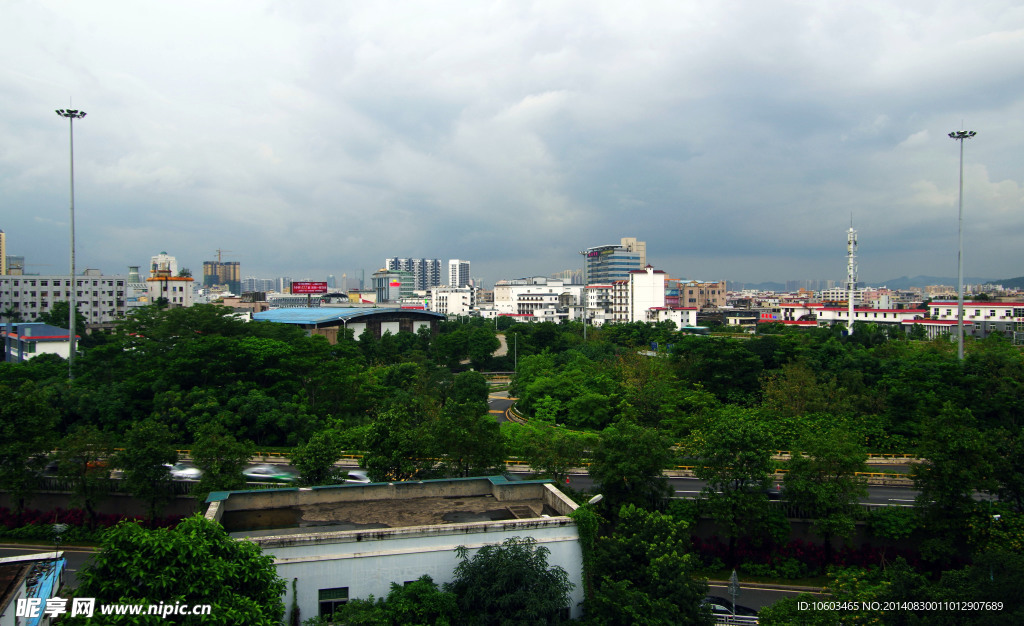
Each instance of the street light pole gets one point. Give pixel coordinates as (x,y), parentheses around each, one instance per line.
(960,135)
(72,115)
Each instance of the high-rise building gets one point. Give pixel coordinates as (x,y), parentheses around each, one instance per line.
(426,273)
(458,273)
(228,273)
(605,264)
(3,253)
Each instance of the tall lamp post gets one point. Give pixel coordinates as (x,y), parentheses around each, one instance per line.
(72,115)
(960,135)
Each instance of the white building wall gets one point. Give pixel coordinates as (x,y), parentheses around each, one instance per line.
(646,291)
(100,299)
(369,567)
(681,317)
(392,327)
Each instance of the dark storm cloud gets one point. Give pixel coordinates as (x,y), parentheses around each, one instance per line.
(736,138)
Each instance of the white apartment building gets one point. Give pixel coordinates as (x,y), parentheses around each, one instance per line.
(828,316)
(682,317)
(458,273)
(839,294)
(646,289)
(983,318)
(175,290)
(599,304)
(101,299)
(451,300)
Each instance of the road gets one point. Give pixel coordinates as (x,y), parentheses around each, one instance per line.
(498,403)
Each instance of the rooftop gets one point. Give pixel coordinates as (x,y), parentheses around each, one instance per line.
(346,511)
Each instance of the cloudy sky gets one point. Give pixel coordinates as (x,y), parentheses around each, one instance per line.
(736,138)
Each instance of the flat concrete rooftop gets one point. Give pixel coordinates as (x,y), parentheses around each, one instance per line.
(364,507)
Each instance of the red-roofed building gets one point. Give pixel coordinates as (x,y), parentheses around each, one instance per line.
(26,340)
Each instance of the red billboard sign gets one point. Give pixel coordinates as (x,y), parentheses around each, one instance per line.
(309,287)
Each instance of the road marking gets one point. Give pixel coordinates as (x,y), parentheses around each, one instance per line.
(900,500)
(496,411)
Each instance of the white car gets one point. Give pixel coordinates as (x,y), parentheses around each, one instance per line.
(184,471)
(358,476)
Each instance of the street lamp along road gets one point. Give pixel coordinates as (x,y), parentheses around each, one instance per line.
(72,115)
(960,135)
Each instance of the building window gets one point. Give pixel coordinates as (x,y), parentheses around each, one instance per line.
(332,599)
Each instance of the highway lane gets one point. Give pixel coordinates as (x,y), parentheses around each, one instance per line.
(684,487)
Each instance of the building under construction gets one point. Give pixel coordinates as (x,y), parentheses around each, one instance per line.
(226,273)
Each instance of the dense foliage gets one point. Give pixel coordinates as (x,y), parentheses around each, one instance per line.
(631,400)
(194,563)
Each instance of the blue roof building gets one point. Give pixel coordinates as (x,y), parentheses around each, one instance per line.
(327,321)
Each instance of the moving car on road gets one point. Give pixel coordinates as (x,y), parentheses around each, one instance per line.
(267,473)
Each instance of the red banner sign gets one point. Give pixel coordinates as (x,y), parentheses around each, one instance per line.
(309,287)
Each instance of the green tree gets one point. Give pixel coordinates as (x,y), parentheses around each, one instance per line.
(734,457)
(822,481)
(221,458)
(193,563)
(648,573)
(468,442)
(418,603)
(510,583)
(59,315)
(481,345)
(315,459)
(27,424)
(148,450)
(82,459)
(553,451)
(959,461)
(394,446)
(628,463)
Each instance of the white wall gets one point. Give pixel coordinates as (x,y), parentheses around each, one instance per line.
(369,567)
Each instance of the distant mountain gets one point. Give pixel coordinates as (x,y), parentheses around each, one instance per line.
(923,281)
(734,285)
(893,283)
(1011,283)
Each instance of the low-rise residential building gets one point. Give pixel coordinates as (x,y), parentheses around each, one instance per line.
(827,316)
(981,319)
(26,340)
(451,300)
(702,295)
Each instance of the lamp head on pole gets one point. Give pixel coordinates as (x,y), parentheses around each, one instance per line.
(962,134)
(71,113)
